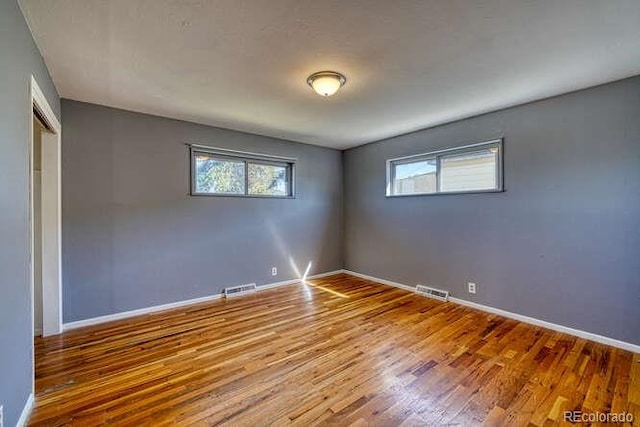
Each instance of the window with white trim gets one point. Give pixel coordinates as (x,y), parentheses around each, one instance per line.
(474,168)
(218,172)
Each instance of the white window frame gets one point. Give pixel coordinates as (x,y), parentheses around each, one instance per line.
(437,155)
(247,158)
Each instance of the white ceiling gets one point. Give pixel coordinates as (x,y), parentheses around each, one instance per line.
(410,64)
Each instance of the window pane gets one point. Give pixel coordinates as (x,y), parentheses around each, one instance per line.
(415,177)
(469,171)
(217,175)
(271,180)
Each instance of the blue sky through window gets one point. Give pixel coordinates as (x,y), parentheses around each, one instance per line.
(408,170)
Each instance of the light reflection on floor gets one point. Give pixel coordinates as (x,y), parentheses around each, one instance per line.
(325,289)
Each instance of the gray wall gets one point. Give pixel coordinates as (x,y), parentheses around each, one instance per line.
(19,59)
(562,244)
(134,238)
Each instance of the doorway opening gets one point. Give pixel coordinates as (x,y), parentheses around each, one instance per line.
(39,128)
(45,216)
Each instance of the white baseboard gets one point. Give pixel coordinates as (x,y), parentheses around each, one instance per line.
(277,284)
(383,281)
(526,319)
(294,281)
(126,314)
(147,310)
(553,326)
(26,411)
(328,273)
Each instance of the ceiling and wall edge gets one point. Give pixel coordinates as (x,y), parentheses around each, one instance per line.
(445,123)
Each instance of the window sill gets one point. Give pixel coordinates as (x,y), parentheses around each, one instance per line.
(444,193)
(240,196)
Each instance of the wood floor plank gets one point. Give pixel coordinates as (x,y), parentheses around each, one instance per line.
(337,351)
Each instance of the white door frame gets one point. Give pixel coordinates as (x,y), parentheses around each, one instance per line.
(51,215)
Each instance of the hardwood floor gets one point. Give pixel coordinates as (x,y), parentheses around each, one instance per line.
(339,351)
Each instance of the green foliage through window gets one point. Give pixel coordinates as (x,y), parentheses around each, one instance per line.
(227,175)
(267,179)
(219,176)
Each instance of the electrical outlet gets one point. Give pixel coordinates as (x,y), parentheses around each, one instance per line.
(274,271)
(472,287)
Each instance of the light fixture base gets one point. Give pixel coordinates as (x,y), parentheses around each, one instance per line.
(336,80)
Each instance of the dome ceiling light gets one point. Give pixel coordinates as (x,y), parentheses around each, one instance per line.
(326,83)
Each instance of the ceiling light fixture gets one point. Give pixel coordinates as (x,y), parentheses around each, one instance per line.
(326,83)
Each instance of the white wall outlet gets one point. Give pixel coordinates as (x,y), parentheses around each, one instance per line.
(274,271)
(472,287)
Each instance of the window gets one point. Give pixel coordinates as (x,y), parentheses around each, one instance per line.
(469,169)
(219,172)
(415,176)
